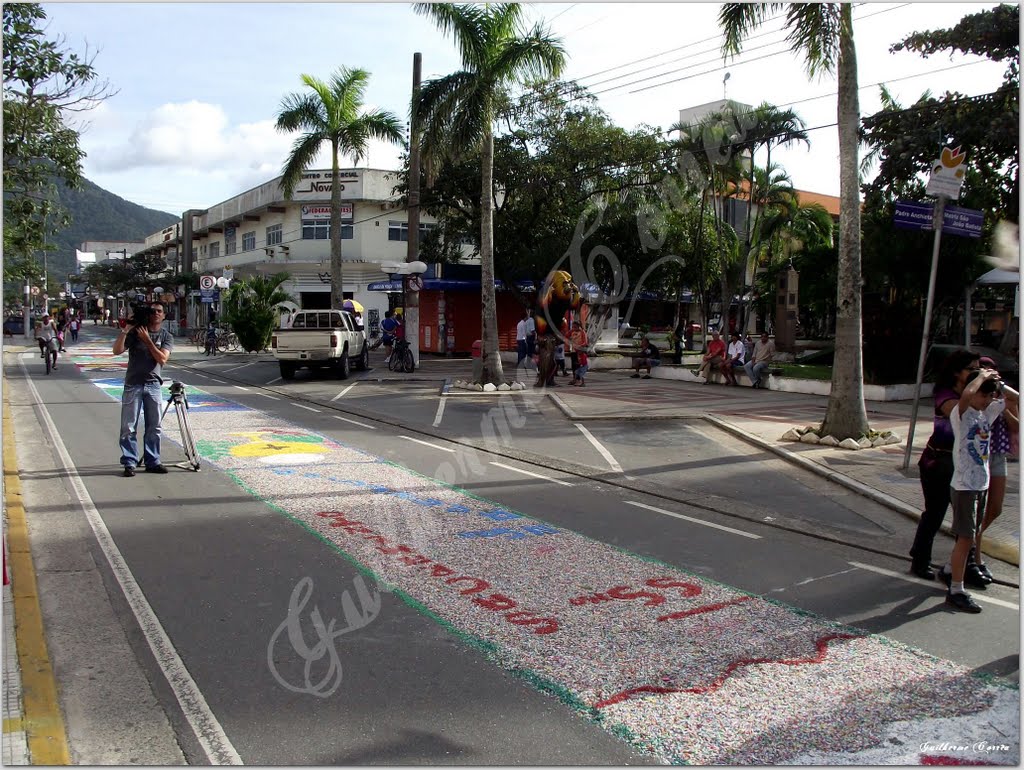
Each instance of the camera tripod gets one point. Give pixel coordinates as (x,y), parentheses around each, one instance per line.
(180,402)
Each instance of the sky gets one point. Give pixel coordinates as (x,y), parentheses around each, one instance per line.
(198,85)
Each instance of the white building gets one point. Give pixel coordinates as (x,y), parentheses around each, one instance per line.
(259,231)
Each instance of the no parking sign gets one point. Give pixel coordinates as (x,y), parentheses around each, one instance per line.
(207,283)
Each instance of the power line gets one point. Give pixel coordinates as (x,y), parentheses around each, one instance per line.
(734,62)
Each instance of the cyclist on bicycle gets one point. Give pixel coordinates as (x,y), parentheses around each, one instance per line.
(389,329)
(211,338)
(46,337)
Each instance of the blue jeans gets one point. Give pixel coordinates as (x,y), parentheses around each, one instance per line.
(754,371)
(521,351)
(145,399)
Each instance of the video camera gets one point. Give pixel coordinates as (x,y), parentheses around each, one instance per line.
(142,314)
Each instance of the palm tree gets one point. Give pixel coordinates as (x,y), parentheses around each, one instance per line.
(457,113)
(251,308)
(712,152)
(823,33)
(333,113)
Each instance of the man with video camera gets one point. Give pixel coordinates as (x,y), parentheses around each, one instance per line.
(149,346)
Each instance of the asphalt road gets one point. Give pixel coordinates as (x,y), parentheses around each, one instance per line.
(218,563)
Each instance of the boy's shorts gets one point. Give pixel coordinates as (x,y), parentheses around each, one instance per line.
(997,464)
(967,509)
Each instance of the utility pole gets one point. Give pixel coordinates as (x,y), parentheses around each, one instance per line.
(940,208)
(412,298)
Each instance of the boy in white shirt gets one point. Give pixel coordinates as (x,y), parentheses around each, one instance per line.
(980,403)
(734,356)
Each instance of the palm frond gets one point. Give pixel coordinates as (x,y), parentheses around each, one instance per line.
(538,55)
(300,112)
(814,29)
(303,153)
(466,25)
(348,88)
(737,20)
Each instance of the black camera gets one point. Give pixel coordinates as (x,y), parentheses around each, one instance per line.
(142,315)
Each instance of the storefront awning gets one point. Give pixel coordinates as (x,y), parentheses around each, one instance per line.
(445,284)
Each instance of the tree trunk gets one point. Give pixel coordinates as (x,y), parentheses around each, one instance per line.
(337,298)
(845,416)
(492,368)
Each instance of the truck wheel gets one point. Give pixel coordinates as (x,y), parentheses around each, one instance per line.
(287,371)
(344,365)
(364,359)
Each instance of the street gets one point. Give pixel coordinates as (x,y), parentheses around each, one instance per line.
(377,571)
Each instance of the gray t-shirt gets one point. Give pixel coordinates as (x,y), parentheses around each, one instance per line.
(142,367)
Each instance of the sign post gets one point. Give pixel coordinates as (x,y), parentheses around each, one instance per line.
(945,181)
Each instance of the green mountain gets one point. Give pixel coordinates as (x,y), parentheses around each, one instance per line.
(99,215)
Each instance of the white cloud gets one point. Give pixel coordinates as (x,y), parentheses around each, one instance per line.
(190,136)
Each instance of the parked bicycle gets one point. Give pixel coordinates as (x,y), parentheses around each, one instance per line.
(401,359)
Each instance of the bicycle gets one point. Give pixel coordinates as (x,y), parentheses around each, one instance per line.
(50,352)
(401,359)
(227,340)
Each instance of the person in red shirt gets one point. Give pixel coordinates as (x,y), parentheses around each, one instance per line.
(715,356)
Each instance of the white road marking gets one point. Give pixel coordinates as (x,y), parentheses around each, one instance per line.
(267,395)
(309,408)
(440,412)
(241,388)
(346,390)
(978,596)
(219,382)
(740,532)
(427,443)
(209,732)
(531,473)
(233,368)
(355,422)
(597,445)
(197,374)
(276,379)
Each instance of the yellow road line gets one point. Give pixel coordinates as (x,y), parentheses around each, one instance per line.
(42,720)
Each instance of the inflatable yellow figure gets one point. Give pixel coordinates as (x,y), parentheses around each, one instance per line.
(558,296)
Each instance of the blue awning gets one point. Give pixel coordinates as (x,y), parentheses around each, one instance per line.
(445,284)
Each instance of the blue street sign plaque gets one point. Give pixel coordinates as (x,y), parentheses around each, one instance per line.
(955,221)
(958,221)
(913,216)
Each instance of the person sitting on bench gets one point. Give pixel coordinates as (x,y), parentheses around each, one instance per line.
(764,351)
(715,356)
(647,357)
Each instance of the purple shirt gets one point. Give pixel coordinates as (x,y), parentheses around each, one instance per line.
(942,430)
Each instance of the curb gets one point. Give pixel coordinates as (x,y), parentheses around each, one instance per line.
(994,548)
(43,722)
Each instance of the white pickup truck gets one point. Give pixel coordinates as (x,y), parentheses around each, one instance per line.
(321,339)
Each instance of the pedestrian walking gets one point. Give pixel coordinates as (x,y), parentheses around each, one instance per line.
(75,324)
(523,352)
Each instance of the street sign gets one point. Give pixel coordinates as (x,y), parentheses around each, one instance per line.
(35,291)
(958,221)
(415,282)
(207,282)
(208,296)
(913,216)
(910,215)
(947,174)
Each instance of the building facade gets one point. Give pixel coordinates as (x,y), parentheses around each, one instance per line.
(260,231)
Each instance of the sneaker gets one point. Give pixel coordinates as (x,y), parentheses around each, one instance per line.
(129,471)
(155,469)
(963,602)
(984,570)
(647,376)
(635,376)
